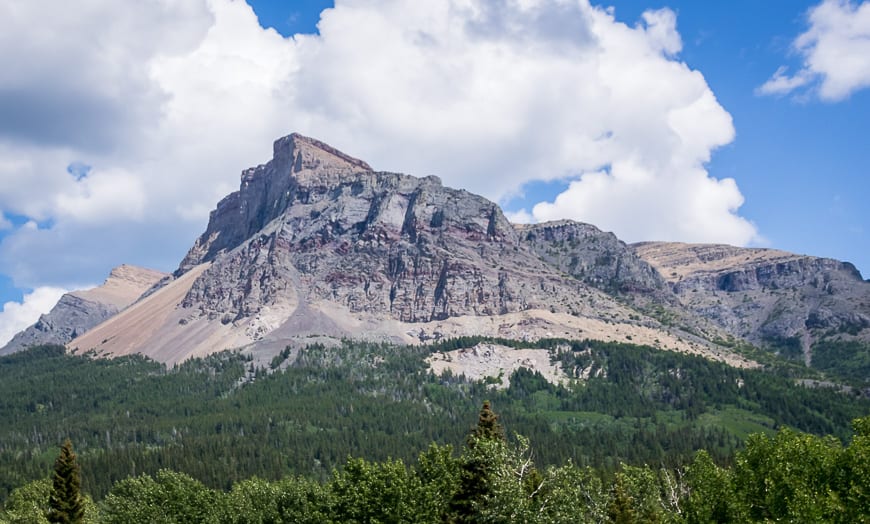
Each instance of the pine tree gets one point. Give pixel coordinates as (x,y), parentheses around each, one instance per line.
(65,501)
(621,507)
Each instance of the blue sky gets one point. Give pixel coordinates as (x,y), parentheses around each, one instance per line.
(674,120)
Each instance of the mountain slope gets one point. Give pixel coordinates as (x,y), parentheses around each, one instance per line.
(78,311)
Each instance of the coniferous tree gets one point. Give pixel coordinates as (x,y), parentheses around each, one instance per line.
(621,507)
(487,427)
(65,501)
(476,470)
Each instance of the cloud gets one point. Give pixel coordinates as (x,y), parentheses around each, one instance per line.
(16,316)
(491,96)
(80,81)
(835,51)
(102,195)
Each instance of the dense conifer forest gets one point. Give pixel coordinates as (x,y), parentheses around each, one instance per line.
(361,432)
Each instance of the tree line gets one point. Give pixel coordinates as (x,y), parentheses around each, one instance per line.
(790,477)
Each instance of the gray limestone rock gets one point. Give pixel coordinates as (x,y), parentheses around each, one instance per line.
(764,295)
(593,256)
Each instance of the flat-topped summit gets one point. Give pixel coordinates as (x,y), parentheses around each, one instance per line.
(124,284)
(308,154)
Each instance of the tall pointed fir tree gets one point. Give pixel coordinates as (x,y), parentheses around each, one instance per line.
(65,501)
(488,427)
(477,467)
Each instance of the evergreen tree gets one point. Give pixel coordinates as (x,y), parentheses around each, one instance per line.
(477,466)
(488,427)
(621,507)
(65,501)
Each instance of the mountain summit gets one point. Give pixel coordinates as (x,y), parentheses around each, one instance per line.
(315,242)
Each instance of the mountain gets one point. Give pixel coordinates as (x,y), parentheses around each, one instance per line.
(771,298)
(315,242)
(78,311)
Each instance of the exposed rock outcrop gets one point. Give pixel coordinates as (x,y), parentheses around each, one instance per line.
(594,256)
(380,243)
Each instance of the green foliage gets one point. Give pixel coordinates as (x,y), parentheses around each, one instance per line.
(65,504)
(849,360)
(790,477)
(620,509)
(570,494)
(377,492)
(28,504)
(488,427)
(796,477)
(787,347)
(169,497)
(439,474)
(131,417)
(711,497)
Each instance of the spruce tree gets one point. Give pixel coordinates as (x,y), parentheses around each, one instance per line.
(65,501)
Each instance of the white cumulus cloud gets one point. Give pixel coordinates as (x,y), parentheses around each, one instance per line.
(835,51)
(16,316)
(170,103)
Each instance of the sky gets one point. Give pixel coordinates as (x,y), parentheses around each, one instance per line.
(123,124)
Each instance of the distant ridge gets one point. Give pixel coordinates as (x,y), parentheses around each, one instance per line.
(78,311)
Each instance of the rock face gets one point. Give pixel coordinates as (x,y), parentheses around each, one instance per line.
(764,295)
(594,257)
(327,227)
(79,311)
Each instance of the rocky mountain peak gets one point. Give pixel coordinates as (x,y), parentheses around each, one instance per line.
(315,242)
(265,192)
(308,154)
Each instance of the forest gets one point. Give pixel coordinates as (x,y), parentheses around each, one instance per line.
(350,422)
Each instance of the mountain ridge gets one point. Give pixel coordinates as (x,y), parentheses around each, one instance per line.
(315,242)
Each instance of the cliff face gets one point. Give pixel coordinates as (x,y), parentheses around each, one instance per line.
(594,257)
(327,227)
(79,311)
(766,295)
